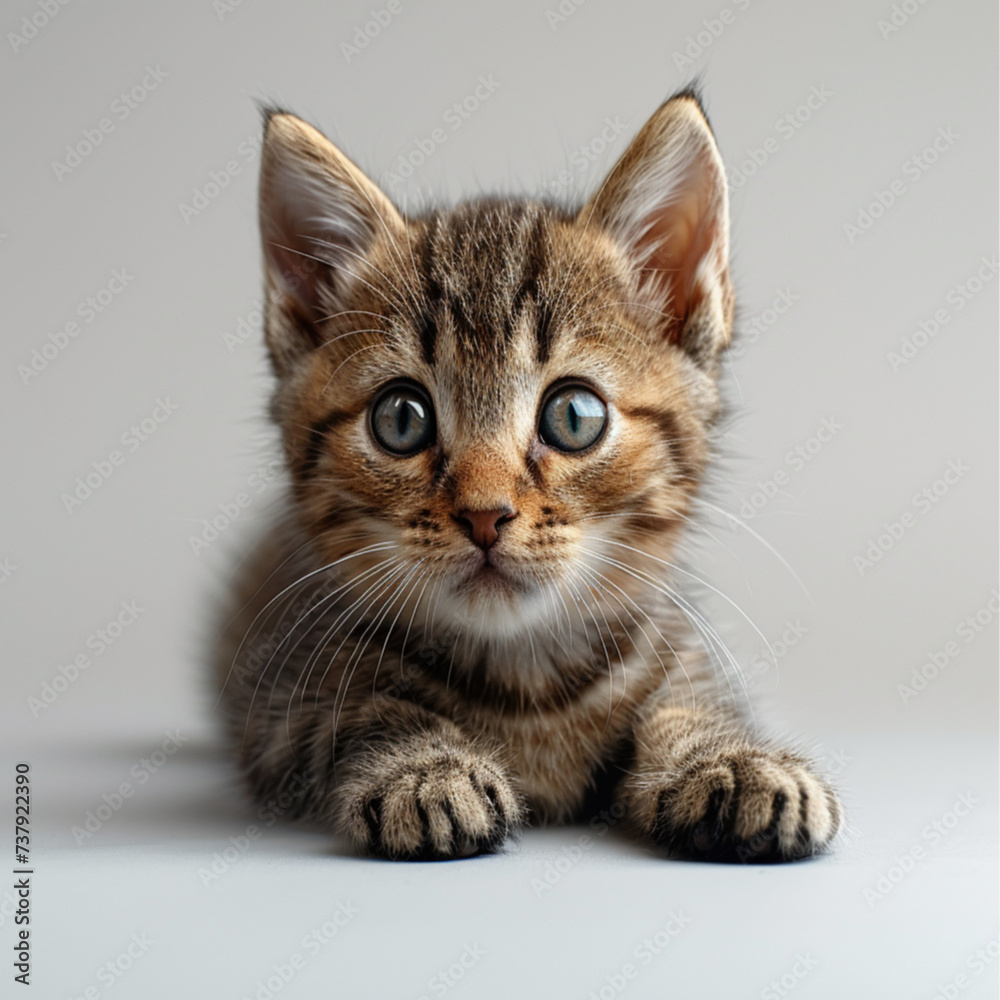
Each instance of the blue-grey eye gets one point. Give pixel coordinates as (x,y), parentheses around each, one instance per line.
(573,418)
(403,420)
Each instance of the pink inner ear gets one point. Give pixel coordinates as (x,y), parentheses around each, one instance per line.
(298,274)
(293,200)
(680,236)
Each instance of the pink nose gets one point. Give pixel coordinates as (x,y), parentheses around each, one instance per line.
(483,526)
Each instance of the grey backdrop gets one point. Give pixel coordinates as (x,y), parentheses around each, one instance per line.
(861,140)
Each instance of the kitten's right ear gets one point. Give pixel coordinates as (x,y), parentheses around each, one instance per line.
(319,214)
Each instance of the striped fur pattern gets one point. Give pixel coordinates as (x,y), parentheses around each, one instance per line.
(416,692)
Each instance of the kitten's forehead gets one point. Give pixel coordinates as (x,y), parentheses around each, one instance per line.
(482,265)
(498,278)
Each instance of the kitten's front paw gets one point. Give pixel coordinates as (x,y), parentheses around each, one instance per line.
(428,804)
(746,804)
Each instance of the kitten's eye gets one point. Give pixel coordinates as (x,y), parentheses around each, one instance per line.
(403,420)
(573,418)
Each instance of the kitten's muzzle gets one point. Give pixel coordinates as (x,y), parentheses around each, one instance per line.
(483,526)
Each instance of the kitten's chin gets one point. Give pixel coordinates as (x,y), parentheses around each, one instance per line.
(494,603)
(490,587)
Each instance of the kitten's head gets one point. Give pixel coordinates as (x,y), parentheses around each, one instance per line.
(489,402)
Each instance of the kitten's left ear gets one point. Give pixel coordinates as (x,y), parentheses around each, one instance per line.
(666,202)
(319,214)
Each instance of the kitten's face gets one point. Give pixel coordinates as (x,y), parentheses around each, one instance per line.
(495,400)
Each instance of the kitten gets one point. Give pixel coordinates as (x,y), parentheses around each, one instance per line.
(496,418)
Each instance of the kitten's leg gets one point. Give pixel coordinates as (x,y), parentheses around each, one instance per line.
(404,782)
(702,787)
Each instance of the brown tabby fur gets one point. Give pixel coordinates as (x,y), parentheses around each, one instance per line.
(405,696)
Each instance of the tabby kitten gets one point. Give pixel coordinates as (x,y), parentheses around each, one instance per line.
(495,419)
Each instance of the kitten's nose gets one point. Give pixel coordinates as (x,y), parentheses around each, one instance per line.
(483,526)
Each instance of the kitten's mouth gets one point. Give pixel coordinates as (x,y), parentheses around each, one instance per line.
(488,577)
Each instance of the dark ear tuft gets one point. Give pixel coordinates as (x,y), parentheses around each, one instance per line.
(267,110)
(693,91)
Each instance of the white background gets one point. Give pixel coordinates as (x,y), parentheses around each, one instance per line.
(856,299)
